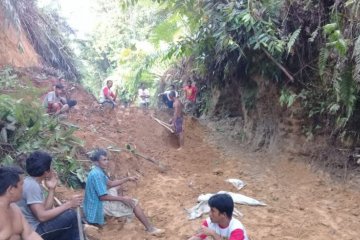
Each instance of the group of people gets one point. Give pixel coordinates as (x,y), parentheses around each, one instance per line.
(108,97)
(170,99)
(27,204)
(58,101)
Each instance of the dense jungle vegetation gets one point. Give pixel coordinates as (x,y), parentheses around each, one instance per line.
(310,50)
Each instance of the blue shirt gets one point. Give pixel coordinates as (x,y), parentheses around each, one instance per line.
(95,188)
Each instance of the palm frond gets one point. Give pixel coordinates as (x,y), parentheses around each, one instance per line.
(323,56)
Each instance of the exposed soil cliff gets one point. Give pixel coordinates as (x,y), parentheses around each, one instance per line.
(15,48)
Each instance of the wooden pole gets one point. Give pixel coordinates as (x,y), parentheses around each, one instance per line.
(167,126)
(81,231)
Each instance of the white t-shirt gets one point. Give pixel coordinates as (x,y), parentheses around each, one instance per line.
(144,92)
(168,94)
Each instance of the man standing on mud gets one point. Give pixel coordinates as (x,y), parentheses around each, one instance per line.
(190,97)
(178,119)
(144,96)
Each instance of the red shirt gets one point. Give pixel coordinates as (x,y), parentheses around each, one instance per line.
(108,92)
(190,93)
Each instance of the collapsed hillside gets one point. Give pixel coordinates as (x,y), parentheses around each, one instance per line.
(300,203)
(15,48)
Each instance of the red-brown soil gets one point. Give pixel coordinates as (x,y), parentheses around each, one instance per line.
(15,48)
(301,204)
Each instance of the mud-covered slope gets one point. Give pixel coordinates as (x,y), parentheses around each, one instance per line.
(15,49)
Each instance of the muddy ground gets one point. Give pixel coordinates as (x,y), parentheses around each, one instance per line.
(301,203)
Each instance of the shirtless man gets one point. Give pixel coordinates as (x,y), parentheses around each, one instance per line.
(177,120)
(13,225)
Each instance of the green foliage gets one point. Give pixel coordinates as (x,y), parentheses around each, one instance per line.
(335,39)
(126,44)
(292,40)
(347,92)
(323,57)
(232,41)
(33,130)
(8,79)
(356,56)
(287,97)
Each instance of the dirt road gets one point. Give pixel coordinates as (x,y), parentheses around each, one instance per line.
(300,203)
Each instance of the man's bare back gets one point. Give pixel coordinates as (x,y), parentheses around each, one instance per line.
(178,108)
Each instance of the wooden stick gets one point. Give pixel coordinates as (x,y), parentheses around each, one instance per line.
(168,128)
(81,232)
(163,124)
(278,65)
(146,158)
(58,202)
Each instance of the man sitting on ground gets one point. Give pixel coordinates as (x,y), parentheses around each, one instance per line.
(66,94)
(221,225)
(52,223)
(54,102)
(101,196)
(107,97)
(165,96)
(13,225)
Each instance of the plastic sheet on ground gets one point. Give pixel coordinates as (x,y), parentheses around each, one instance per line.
(237,183)
(237,198)
(203,207)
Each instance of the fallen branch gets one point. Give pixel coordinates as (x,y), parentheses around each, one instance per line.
(146,158)
(278,65)
(129,149)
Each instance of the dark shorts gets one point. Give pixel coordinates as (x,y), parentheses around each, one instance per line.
(108,102)
(71,103)
(168,103)
(178,125)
